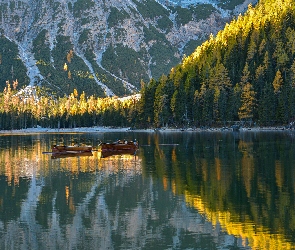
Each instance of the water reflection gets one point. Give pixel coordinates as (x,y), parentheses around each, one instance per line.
(131,152)
(181,190)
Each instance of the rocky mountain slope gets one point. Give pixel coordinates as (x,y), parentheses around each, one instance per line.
(103,47)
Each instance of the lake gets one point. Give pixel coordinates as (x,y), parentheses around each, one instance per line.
(182,190)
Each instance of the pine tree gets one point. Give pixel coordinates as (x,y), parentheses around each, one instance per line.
(277,82)
(281,56)
(196,110)
(267,106)
(248,103)
(220,83)
(292,74)
(159,106)
(280,91)
(206,97)
(290,35)
(146,104)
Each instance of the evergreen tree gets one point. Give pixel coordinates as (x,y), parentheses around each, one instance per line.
(220,83)
(196,111)
(160,102)
(267,106)
(278,82)
(281,94)
(248,103)
(146,105)
(206,97)
(177,105)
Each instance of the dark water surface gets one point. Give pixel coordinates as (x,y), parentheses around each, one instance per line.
(186,190)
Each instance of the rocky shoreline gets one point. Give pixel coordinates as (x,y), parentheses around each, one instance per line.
(40,130)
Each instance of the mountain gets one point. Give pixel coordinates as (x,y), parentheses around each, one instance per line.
(103,47)
(244,74)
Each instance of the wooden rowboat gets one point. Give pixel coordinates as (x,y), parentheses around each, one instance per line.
(63,148)
(119,146)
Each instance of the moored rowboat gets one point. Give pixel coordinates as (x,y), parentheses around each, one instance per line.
(119,146)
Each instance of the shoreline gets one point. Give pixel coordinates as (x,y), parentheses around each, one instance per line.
(40,130)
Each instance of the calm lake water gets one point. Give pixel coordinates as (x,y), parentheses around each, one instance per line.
(186,190)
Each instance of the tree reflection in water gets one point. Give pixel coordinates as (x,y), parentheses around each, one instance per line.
(182,190)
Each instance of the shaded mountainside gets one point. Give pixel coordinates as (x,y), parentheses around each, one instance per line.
(102,47)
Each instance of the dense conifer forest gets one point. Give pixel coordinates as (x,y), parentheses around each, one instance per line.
(245,73)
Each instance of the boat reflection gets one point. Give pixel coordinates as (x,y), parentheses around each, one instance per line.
(58,155)
(105,154)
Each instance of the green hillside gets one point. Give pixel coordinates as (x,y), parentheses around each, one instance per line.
(11,66)
(245,73)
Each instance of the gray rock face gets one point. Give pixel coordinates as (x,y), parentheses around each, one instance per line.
(105,47)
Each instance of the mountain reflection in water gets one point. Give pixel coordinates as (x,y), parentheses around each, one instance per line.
(181,190)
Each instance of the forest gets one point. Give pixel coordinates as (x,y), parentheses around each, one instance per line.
(246,73)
